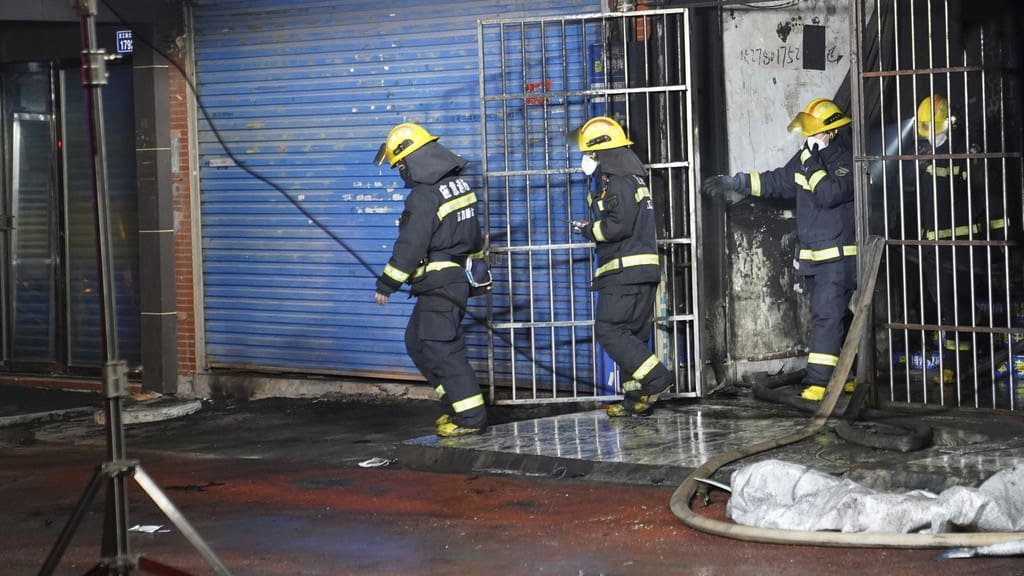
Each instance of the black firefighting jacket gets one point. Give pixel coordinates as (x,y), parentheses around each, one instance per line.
(439,226)
(623,226)
(953,198)
(945,207)
(822,185)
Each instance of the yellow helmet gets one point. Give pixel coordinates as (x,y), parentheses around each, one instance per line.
(821,115)
(933,111)
(403,140)
(602,133)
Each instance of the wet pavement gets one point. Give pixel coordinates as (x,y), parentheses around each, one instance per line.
(667,446)
(25,404)
(276,487)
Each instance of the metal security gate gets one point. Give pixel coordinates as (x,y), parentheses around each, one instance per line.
(941,150)
(540,79)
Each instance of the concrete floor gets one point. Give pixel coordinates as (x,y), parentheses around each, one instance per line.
(275,487)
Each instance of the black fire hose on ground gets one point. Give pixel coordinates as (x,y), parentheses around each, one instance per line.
(878,429)
(859,425)
(683,495)
(871,428)
(864,426)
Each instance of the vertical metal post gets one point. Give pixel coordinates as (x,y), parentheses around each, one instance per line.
(94,78)
(866,355)
(116,556)
(485,191)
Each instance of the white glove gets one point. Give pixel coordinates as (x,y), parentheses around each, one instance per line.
(579,225)
(818,141)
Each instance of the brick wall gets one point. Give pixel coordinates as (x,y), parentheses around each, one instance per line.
(181,182)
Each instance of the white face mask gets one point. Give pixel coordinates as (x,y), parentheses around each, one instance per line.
(818,141)
(939,140)
(588,164)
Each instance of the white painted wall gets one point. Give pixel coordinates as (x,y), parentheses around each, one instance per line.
(765,82)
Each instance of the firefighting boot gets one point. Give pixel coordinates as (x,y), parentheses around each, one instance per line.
(639,403)
(816,392)
(948,377)
(628,407)
(650,392)
(450,429)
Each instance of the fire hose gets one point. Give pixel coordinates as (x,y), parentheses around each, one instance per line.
(683,495)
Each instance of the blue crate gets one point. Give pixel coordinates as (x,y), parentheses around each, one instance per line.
(900,359)
(1016,365)
(917,361)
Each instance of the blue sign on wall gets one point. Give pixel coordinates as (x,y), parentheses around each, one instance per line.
(124,41)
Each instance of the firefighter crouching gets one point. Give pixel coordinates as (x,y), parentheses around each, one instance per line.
(628,271)
(820,178)
(438,229)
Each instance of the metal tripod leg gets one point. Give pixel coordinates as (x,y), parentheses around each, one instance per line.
(121,562)
(175,516)
(69,529)
(117,558)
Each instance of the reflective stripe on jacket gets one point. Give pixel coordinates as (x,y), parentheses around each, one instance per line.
(438,229)
(825,221)
(623,229)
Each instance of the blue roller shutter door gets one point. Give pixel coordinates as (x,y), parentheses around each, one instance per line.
(302,93)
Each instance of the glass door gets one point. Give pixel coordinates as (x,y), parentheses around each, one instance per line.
(30,245)
(48,281)
(33,247)
(84,334)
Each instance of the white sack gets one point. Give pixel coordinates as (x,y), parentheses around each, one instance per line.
(777,494)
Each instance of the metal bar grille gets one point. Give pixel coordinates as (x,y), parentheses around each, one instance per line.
(541,79)
(946,193)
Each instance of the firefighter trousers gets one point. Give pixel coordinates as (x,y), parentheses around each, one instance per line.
(622,326)
(953,288)
(435,341)
(831,288)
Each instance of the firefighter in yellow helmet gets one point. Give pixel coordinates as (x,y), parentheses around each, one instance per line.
(951,209)
(437,231)
(628,272)
(820,178)
(933,120)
